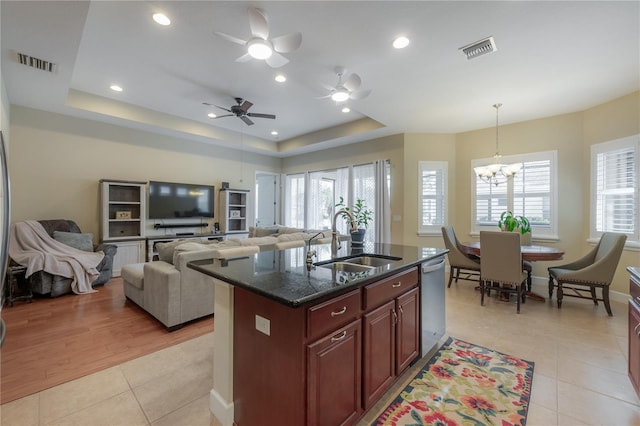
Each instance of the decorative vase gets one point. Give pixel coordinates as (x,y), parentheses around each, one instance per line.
(357,238)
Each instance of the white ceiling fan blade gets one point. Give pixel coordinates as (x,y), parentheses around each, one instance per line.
(230,38)
(276,60)
(360,94)
(258,23)
(287,43)
(352,82)
(244,58)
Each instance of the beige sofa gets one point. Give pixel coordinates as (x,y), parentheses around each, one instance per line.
(175,294)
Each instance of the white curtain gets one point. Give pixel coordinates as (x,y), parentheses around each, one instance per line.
(383,203)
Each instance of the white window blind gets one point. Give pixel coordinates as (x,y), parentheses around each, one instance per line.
(294,200)
(615,187)
(432,187)
(531,193)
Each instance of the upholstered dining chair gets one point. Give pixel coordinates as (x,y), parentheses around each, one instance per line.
(501,264)
(458,260)
(592,271)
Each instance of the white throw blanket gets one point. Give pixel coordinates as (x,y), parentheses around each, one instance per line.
(31,246)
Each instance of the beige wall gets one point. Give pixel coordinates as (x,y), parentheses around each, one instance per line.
(610,121)
(56,162)
(387,148)
(426,147)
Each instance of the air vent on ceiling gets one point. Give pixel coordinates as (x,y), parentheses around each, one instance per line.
(479,48)
(36,63)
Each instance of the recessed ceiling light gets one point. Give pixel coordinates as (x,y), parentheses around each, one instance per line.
(274,133)
(346,110)
(211,115)
(281,78)
(161,19)
(401,42)
(115,88)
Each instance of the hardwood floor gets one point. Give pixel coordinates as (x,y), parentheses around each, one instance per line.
(53,341)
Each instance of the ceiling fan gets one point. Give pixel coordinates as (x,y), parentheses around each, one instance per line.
(348,88)
(241,111)
(259,46)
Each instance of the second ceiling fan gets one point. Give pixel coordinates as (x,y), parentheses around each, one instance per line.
(241,110)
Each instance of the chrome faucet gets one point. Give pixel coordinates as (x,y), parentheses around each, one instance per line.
(334,233)
(311,253)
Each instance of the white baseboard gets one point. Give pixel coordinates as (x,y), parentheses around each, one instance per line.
(220,408)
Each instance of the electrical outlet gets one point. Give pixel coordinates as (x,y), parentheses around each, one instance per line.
(263,325)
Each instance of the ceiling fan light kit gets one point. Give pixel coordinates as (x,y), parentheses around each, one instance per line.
(259,46)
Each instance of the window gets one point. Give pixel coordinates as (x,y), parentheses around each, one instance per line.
(614,188)
(432,187)
(531,193)
(317,193)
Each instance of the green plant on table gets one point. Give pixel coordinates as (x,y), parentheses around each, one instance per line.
(510,222)
(361,214)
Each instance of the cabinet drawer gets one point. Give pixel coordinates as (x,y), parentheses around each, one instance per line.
(634,291)
(382,291)
(329,315)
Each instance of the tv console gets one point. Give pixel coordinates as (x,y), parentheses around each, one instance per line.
(152,252)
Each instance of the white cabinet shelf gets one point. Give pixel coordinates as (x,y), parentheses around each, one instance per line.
(123,211)
(234,210)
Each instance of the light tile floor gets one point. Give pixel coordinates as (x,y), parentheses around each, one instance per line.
(580,375)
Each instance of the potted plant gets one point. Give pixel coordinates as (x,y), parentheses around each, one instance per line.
(512,223)
(361,216)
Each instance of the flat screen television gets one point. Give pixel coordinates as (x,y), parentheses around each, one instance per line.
(169,200)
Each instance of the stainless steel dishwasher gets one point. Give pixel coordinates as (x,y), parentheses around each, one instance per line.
(432,303)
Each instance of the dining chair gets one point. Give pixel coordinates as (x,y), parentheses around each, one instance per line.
(592,271)
(501,264)
(458,260)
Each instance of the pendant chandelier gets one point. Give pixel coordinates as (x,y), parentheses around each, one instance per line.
(497,172)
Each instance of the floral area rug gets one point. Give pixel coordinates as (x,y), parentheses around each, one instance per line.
(464,384)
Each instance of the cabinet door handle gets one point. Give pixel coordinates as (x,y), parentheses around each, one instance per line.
(396,285)
(401,311)
(340,312)
(395,317)
(340,337)
(638,299)
(635,330)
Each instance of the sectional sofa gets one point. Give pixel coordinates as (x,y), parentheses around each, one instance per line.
(175,294)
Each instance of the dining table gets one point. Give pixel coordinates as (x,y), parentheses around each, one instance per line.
(531,253)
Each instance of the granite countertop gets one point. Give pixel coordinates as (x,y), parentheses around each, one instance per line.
(282,275)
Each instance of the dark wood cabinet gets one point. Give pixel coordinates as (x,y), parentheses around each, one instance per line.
(391,333)
(334,366)
(327,363)
(634,329)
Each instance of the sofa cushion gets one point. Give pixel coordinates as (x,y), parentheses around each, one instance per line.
(133,274)
(79,241)
(263,232)
(165,250)
(295,236)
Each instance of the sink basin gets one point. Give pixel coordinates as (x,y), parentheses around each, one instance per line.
(373,261)
(359,263)
(346,267)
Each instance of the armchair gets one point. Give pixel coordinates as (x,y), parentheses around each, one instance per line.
(592,271)
(46,283)
(459,261)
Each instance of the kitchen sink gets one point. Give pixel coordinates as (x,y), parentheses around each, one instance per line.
(373,261)
(358,263)
(345,266)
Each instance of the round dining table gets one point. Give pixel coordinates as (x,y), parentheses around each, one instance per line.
(531,253)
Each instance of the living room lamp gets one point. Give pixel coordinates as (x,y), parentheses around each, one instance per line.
(497,172)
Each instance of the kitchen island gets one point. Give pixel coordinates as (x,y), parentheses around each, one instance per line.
(304,344)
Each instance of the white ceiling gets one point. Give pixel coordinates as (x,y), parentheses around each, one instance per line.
(552,58)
